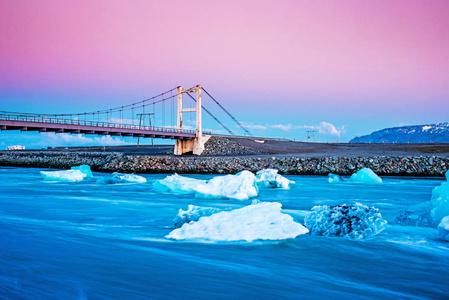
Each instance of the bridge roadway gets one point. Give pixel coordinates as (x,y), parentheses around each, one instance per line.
(60,125)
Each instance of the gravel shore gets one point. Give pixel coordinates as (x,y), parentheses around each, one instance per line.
(225,155)
(118,162)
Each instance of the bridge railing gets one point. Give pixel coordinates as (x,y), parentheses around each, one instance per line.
(51,120)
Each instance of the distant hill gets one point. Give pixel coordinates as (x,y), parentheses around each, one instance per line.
(431,133)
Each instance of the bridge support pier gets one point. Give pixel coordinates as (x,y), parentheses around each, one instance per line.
(196,146)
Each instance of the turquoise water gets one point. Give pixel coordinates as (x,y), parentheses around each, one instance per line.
(86,240)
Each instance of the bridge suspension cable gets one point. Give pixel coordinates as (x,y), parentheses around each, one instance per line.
(107,116)
(214,117)
(229,114)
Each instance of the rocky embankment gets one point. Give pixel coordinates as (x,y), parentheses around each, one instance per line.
(59,160)
(117,162)
(223,146)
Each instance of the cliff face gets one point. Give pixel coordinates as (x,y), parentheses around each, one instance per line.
(432,133)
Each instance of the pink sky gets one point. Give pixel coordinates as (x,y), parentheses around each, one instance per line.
(354,59)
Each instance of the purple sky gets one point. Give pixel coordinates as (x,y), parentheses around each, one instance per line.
(341,68)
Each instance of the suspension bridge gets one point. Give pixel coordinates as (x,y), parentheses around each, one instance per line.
(163,112)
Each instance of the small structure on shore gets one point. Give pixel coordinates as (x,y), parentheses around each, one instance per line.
(16,147)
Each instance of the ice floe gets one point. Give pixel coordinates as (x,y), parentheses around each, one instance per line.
(416,215)
(122,178)
(334,178)
(85,169)
(440,201)
(351,221)
(366,175)
(177,184)
(77,173)
(68,175)
(193,213)
(443,228)
(269,178)
(261,221)
(241,186)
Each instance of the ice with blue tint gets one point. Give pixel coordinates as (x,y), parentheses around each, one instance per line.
(67,175)
(77,173)
(122,178)
(262,221)
(177,184)
(443,228)
(85,169)
(350,221)
(269,178)
(193,213)
(366,175)
(440,201)
(241,186)
(416,215)
(334,178)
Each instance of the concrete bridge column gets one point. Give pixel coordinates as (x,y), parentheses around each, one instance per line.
(196,146)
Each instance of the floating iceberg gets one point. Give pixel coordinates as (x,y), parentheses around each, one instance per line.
(334,178)
(269,178)
(443,228)
(240,186)
(177,184)
(366,175)
(416,215)
(74,174)
(350,221)
(68,175)
(123,178)
(85,169)
(440,201)
(262,221)
(193,213)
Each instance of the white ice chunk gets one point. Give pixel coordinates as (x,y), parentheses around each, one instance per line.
(443,228)
(262,221)
(67,175)
(350,221)
(366,175)
(240,186)
(177,184)
(85,169)
(440,201)
(123,178)
(193,213)
(334,178)
(269,178)
(77,173)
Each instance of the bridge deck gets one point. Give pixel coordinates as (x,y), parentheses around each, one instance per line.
(90,127)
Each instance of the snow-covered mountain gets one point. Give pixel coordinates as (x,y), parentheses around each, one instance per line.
(431,133)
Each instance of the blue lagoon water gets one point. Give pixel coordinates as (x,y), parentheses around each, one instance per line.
(86,240)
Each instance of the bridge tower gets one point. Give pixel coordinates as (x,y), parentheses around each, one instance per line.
(195,145)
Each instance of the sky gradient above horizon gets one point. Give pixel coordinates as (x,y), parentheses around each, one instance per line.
(342,68)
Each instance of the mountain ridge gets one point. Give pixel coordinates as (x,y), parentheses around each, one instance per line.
(428,133)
